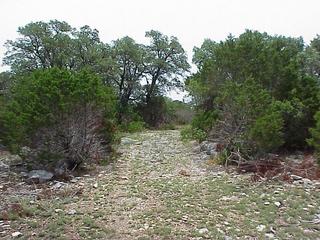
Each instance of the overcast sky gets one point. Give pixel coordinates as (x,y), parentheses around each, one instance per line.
(190,20)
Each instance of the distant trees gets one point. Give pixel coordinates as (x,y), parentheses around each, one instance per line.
(130,65)
(138,73)
(166,64)
(54,44)
(66,88)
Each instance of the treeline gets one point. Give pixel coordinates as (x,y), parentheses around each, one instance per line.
(257,94)
(67,92)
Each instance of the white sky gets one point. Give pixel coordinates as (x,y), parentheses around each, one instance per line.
(189,20)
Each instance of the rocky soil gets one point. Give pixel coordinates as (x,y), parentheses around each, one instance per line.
(158,188)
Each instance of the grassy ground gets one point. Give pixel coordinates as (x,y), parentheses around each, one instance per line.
(159,189)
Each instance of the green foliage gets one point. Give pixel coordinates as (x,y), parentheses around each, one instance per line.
(138,73)
(266,133)
(314,141)
(204,120)
(167,63)
(135,126)
(43,45)
(274,108)
(247,120)
(189,132)
(154,112)
(168,126)
(177,112)
(130,64)
(131,121)
(55,98)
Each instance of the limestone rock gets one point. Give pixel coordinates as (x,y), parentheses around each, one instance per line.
(16,234)
(39,176)
(296,177)
(203,230)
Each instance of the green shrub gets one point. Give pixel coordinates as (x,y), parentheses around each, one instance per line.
(266,132)
(314,141)
(190,133)
(135,126)
(61,112)
(204,120)
(131,121)
(248,121)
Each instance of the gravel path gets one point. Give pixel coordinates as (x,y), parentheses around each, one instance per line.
(160,188)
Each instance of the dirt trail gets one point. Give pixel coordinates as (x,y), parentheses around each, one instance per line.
(146,157)
(159,188)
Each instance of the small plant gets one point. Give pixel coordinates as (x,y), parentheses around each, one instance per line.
(204,120)
(134,126)
(14,211)
(189,133)
(89,222)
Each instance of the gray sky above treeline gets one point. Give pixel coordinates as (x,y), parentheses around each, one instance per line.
(190,20)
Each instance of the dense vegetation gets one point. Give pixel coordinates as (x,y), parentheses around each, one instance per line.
(67,92)
(256,93)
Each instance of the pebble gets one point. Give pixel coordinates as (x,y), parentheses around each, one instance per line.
(307,181)
(16,234)
(203,230)
(263,195)
(296,177)
(278,204)
(58,185)
(261,227)
(185,218)
(95,185)
(72,212)
(269,235)
(267,203)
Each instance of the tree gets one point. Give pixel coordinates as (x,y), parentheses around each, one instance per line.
(56,44)
(42,45)
(130,64)
(6,80)
(166,64)
(270,60)
(311,58)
